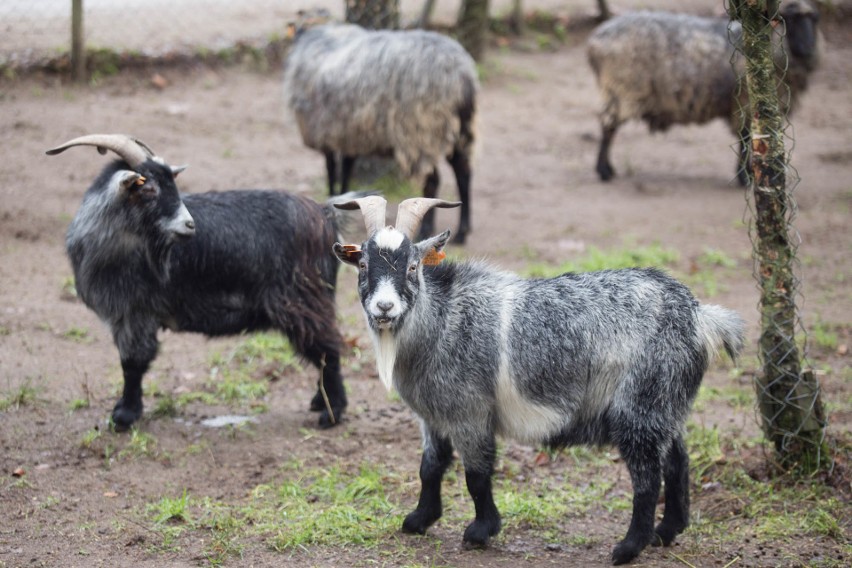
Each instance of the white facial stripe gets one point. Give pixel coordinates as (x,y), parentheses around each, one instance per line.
(178,223)
(385,293)
(389,238)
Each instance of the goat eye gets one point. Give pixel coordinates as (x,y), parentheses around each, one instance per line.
(412,267)
(362,265)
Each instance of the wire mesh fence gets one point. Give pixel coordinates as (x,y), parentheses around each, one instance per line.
(37,29)
(788,393)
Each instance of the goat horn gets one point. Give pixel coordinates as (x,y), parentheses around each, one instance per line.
(410,213)
(131,150)
(372,207)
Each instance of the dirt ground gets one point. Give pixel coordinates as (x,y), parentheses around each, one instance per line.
(536,198)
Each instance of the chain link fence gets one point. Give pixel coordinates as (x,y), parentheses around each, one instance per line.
(788,393)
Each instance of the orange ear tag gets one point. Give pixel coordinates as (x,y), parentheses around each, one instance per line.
(141,180)
(434,257)
(351,248)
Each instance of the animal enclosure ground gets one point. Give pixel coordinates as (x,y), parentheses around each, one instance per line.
(274,491)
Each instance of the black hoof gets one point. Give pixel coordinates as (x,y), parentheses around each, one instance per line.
(478,533)
(330,419)
(123,416)
(665,534)
(419,520)
(317,403)
(625,551)
(606,172)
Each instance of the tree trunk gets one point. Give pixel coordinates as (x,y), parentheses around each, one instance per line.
(373,14)
(426,14)
(516,19)
(604,12)
(473,27)
(788,399)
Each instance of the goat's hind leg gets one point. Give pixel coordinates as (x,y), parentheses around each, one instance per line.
(437,457)
(640,449)
(330,398)
(676,476)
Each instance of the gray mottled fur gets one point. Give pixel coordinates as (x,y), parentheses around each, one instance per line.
(362,92)
(667,68)
(610,357)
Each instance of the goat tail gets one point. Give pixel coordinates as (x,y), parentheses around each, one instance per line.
(340,219)
(720,327)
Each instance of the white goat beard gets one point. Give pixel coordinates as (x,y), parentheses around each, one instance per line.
(385,345)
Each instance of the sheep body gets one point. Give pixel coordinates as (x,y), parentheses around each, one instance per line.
(668,69)
(406,94)
(609,357)
(255,260)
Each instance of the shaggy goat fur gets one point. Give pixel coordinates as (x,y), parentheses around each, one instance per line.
(406,94)
(610,357)
(251,260)
(668,69)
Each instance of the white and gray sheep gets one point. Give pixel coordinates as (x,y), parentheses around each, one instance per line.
(667,69)
(406,94)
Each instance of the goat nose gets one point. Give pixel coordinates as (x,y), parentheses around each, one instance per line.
(385,306)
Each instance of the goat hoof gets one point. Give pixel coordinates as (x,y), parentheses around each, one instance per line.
(606,172)
(665,534)
(326,421)
(625,551)
(419,520)
(317,403)
(123,416)
(478,533)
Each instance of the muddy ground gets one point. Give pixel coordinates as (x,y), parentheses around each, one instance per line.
(74,494)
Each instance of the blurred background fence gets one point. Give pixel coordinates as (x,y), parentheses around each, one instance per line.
(35,30)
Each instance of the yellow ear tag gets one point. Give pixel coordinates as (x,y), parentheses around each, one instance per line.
(434,257)
(351,248)
(141,180)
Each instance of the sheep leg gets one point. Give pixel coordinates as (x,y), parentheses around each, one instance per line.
(743,163)
(460,163)
(604,167)
(640,450)
(137,349)
(430,190)
(478,478)
(437,457)
(331,169)
(346,173)
(676,475)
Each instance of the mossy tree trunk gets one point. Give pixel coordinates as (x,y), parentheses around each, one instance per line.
(473,27)
(373,14)
(788,399)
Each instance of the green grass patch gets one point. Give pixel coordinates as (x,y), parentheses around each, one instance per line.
(597,259)
(23,395)
(140,444)
(77,335)
(824,336)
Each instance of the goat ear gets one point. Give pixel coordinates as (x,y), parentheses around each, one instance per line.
(128,180)
(178,169)
(350,254)
(432,249)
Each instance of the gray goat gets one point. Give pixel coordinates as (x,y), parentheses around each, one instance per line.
(146,257)
(668,69)
(406,94)
(610,357)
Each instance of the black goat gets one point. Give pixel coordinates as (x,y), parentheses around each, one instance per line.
(146,257)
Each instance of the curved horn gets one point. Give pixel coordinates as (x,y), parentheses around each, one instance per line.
(372,207)
(410,213)
(131,150)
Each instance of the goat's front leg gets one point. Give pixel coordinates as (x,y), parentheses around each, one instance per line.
(137,344)
(437,457)
(478,460)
